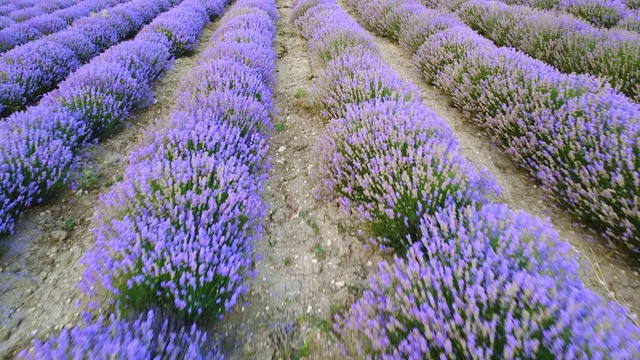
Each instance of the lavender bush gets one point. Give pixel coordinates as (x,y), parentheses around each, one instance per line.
(179,231)
(632,23)
(351,80)
(390,173)
(103,92)
(5,21)
(485,284)
(178,30)
(150,336)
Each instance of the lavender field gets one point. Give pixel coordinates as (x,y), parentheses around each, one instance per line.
(319,179)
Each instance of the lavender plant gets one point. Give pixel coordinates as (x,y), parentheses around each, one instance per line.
(150,336)
(485,283)
(390,173)
(352,80)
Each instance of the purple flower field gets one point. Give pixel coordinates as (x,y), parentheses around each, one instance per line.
(319,179)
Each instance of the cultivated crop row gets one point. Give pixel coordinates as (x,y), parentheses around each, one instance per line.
(471,279)
(39,146)
(604,13)
(177,234)
(574,133)
(30,70)
(569,44)
(22,10)
(21,33)
(31,10)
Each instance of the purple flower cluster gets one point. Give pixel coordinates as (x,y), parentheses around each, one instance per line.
(569,44)
(175,30)
(179,231)
(631,22)
(485,284)
(150,336)
(479,281)
(33,27)
(30,70)
(388,158)
(573,132)
(39,146)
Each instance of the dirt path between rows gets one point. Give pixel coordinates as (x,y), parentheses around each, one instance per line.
(312,264)
(40,263)
(604,269)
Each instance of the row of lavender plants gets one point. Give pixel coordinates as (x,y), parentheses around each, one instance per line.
(603,13)
(561,40)
(21,33)
(177,233)
(40,146)
(574,133)
(38,8)
(470,279)
(8,6)
(31,70)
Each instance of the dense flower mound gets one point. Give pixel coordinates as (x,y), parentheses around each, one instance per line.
(574,133)
(350,80)
(175,30)
(567,43)
(392,172)
(33,23)
(485,284)
(150,336)
(28,71)
(179,231)
(97,97)
(386,156)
